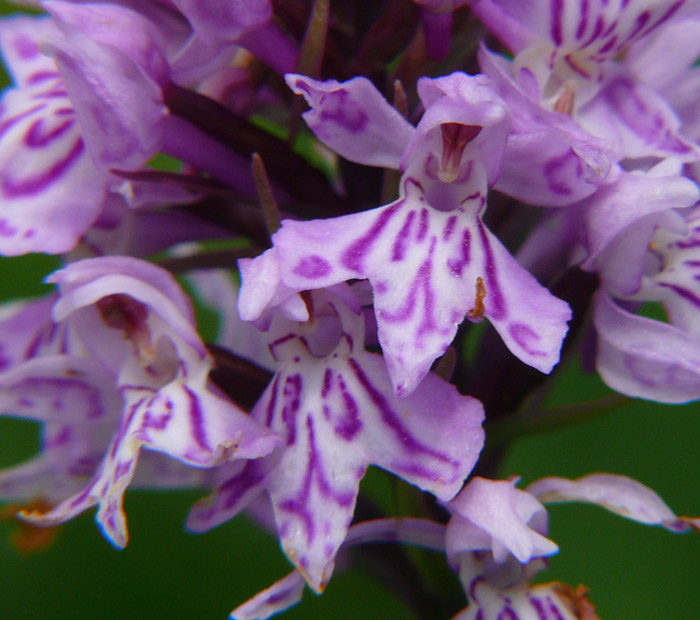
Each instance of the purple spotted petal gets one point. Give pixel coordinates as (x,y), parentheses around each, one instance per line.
(338,415)
(619,494)
(183,420)
(495,516)
(424,266)
(644,358)
(354,119)
(193,424)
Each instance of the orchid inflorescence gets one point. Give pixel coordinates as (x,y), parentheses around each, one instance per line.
(352,188)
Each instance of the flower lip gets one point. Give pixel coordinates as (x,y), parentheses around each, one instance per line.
(455,138)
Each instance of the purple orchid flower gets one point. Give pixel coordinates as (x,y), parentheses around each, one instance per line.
(145,358)
(429,257)
(496,540)
(566,60)
(51,190)
(333,403)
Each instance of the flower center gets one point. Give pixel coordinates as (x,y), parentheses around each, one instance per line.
(455,137)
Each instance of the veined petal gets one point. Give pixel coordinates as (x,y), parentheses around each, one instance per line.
(637,118)
(338,415)
(644,358)
(503,513)
(60,389)
(19,43)
(279,596)
(428,269)
(50,189)
(619,494)
(354,119)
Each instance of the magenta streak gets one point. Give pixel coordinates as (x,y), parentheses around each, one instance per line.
(292,402)
(34,138)
(278,597)
(423,226)
(350,424)
(398,251)
(449,228)
(393,421)
(639,24)
(599,25)
(35,184)
(327,383)
(523,336)
(355,252)
(298,505)
(507,614)
(42,76)
(80,498)
(197,420)
(608,46)
(583,20)
(456,266)
(10,122)
(538,607)
(234,488)
(556,614)
(121,470)
(556,15)
(683,292)
(495,304)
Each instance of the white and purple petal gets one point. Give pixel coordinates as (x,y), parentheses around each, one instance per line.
(354,119)
(645,358)
(619,494)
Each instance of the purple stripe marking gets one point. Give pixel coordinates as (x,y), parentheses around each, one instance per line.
(196,418)
(13,120)
(557,7)
(423,226)
(583,20)
(683,292)
(495,303)
(392,420)
(449,228)
(34,138)
(34,184)
(42,76)
(354,254)
(456,266)
(292,402)
(398,252)
(234,488)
